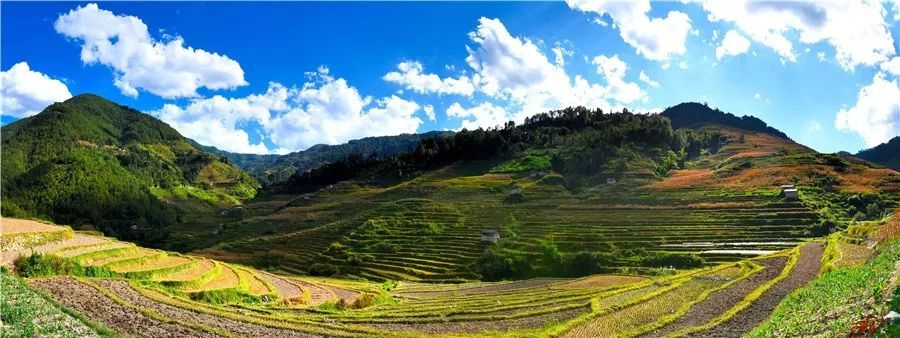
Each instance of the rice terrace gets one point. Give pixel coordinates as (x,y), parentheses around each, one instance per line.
(462,169)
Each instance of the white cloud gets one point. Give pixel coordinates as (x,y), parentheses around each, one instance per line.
(856,29)
(656,39)
(164,68)
(613,70)
(410,75)
(892,66)
(732,44)
(324,110)
(26,92)
(485,115)
(757,96)
(876,115)
(560,54)
(429,112)
(646,79)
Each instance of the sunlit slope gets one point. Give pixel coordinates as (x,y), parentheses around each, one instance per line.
(90,161)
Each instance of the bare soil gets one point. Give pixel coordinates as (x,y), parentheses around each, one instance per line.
(503,325)
(284,288)
(14,226)
(87,300)
(239,328)
(720,301)
(806,269)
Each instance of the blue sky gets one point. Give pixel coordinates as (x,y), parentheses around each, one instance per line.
(279,77)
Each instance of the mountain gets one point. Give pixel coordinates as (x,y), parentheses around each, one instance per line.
(89,161)
(271,169)
(570,192)
(887,154)
(691,113)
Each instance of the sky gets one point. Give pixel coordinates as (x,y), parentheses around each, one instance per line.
(278,77)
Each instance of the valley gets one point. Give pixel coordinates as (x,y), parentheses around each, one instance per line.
(576,223)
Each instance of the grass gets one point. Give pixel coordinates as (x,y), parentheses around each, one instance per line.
(831,303)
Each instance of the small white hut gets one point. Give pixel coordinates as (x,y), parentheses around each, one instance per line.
(789,192)
(610,180)
(490,235)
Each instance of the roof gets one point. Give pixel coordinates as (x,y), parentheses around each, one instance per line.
(490,232)
(790,190)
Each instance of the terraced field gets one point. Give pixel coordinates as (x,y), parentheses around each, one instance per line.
(429,228)
(148,297)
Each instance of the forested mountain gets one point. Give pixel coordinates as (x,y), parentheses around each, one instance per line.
(89,161)
(277,168)
(887,154)
(584,142)
(691,113)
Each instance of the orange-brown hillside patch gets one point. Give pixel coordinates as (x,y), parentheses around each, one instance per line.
(889,230)
(684,179)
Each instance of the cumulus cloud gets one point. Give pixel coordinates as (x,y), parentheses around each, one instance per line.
(857,30)
(613,70)
(410,74)
(520,80)
(324,110)
(26,92)
(139,62)
(876,115)
(429,112)
(732,44)
(892,66)
(656,39)
(485,115)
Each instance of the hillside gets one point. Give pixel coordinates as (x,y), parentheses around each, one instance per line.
(273,169)
(89,161)
(886,154)
(570,192)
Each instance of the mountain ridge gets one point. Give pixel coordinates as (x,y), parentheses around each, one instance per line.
(89,161)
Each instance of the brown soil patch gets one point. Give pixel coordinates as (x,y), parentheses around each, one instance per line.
(285,289)
(504,325)
(15,226)
(87,300)
(806,269)
(239,328)
(720,301)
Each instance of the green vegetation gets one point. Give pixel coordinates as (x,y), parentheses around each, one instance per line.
(841,296)
(90,161)
(28,313)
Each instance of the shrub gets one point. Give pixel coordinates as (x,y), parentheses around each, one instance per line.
(497,264)
(588,263)
(324,269)
(38,265)
(364,300)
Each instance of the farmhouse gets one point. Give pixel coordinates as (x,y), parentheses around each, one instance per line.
(789,192)
(490,235)
(610,180)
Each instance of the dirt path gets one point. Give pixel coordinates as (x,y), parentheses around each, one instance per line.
(504,325)
(806,269)
(720,301)
(239,328)
(90,302)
